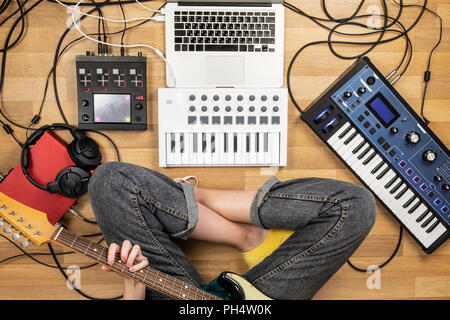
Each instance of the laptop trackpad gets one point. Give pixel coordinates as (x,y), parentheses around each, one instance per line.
(225,70)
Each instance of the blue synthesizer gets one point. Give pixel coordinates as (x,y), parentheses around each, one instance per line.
(382,140)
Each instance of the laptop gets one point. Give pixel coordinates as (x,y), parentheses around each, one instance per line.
(224,44)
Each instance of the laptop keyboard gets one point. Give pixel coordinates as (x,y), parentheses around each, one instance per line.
(243,31)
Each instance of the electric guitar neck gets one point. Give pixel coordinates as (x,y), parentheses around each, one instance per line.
(152,278)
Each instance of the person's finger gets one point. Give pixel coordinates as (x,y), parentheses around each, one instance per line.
(104,268)
(126,247)
(112,250)
(136,251)
(140,265)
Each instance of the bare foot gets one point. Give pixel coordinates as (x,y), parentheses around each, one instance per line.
(254,237)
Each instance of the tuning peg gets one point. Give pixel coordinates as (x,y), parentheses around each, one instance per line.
(7,229)
(1,222)
(15,236)
(3,207)
(24,243)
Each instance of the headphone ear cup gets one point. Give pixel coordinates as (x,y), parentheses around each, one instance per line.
(85,153)
(71,182)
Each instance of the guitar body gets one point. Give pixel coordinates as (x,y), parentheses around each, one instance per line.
(239,288)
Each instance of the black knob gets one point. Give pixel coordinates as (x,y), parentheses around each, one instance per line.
(446,187)
(429,156)
(394,130)
(362,90)
(347,94)
(370,80)
(438,178)
(138,106)
(84,103)
(412,137)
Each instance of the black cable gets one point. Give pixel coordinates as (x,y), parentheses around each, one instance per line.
(30,255)
(3,66)
(122,48)
(55,258)
(22,29)
(13,14)
(427,73)
(399,241)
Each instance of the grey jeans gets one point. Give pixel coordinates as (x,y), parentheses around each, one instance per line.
(331,219)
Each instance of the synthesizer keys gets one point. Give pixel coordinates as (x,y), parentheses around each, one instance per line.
(222,127)
(380,138)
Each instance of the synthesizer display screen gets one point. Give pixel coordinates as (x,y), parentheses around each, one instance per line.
(383,110)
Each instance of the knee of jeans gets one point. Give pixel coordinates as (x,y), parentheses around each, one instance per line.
(361,209)
(102,177)
(107,184)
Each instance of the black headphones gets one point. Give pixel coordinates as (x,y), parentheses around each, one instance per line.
(71,182)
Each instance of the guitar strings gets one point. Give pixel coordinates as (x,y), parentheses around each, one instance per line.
(80,244)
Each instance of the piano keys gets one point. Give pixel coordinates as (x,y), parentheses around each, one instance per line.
(390,188)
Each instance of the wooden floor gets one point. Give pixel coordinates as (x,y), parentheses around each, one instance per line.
(411,275)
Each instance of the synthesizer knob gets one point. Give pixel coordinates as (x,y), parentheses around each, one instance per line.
(394,130)
(347,94)
(446,187)
(429,156)
(370,80)
(438,178)
(361,90)
(84,103)
(412,137)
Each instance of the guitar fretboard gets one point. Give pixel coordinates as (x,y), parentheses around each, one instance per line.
(159,281)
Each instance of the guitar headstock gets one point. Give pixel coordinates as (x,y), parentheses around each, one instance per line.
(20,220)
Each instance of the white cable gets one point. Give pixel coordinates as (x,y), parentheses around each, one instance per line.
(74,9)
(72,211)
(147,8)
(171,80)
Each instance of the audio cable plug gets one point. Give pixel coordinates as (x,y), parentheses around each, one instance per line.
(35,119)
